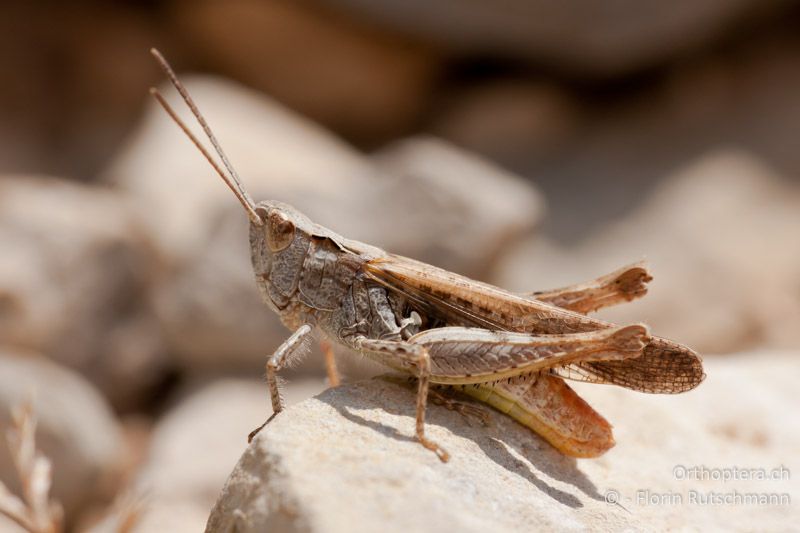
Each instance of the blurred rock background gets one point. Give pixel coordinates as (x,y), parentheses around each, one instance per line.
(528,144)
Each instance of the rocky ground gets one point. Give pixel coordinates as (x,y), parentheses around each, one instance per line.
(346,460)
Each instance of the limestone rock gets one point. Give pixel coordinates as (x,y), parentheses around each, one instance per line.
(721,240)
(516,122)
(477,208)
(182,479)
(207,302)
(346,460)
(596,157)
(220,416)
(76,429)
(176,517)
(74,276)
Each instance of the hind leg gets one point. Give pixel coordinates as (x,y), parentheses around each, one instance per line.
(466,409)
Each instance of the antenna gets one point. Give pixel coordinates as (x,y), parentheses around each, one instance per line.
(232,178)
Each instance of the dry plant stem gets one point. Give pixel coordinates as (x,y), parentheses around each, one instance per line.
(37,514)
(441,327)
(122,516)
(128,513)
(330,363)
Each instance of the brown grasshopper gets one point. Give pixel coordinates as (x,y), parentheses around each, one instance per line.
(508,350)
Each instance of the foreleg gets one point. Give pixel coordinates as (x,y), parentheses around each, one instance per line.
(290,347)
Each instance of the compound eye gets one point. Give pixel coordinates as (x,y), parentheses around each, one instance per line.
(280,231)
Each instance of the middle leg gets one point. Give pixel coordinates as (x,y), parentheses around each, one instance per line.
(330,363)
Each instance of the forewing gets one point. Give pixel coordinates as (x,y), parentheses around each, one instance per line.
(460,301)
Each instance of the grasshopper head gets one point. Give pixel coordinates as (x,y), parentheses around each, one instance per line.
(279,232)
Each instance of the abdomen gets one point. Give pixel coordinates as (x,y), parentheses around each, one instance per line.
(551,408)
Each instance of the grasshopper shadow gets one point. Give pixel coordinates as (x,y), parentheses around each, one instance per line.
(505,442)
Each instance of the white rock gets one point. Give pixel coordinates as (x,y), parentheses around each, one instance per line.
(347,461)
(515,122)
(76,429)
(476,207)
(74,274)
(172,516)
(738,418)
(180,477)
(219,416)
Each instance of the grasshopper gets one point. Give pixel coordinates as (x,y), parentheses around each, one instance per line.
(511,351)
